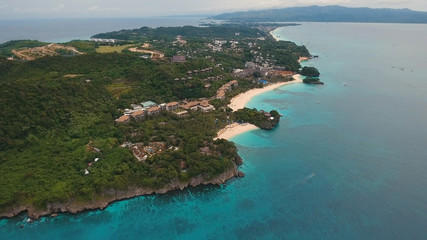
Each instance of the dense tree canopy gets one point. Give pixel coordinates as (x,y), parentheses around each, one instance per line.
(56,110)
(310,72)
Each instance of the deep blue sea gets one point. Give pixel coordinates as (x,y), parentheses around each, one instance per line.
(348,160)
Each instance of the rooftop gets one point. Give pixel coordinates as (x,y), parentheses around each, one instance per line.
(137,113)
(149,104)
(123,118)
(172,104)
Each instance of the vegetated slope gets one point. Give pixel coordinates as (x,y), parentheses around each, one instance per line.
(57,114)
(189,32)
(52,123)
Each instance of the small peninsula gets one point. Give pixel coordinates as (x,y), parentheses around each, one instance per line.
(131,112)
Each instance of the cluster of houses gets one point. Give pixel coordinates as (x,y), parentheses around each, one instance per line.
(264,67)
(142,152)
(201,105)
(197,71)
(220,94)
(179,41)
(149,108)
(103,40)
(216,46)
(141,111)
(214,78)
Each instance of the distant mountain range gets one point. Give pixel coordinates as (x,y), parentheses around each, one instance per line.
(328,14)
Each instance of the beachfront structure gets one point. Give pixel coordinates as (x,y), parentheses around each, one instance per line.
(225,88)
(261,81)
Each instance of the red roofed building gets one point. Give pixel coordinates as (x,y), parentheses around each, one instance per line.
(153,111)
(138,115)
(172,106)
(123,119)
(178,59)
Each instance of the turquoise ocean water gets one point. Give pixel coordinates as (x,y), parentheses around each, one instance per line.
(346,162)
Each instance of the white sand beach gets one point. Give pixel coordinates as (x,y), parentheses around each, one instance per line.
(274,36)
(235,129)
(303,59)
(240,101)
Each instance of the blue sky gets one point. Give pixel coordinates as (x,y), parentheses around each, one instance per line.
(25,9)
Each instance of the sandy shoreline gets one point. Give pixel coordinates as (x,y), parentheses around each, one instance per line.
(240,101)
(235,129)
(274,36)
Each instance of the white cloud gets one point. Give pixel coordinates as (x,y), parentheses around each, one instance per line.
(96,8)
(39,9)
(29,10)
(61,6)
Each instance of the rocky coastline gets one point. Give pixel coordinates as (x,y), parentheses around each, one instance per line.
(112,196)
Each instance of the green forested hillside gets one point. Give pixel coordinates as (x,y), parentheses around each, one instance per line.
(48,120)
(57,113)
(189,32)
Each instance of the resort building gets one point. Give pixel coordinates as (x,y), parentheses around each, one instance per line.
(153,111)
(193,105)
(178,59)
(148,104)
(226,88)
(123,119)
(172,106)
(220,95)
(182,113)
(138,115)
(162,106)
(204,106)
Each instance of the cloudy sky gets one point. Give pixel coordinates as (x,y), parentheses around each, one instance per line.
(24,9)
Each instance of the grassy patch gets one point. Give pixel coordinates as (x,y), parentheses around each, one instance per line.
(118,88)
(110,49)
(73,75)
